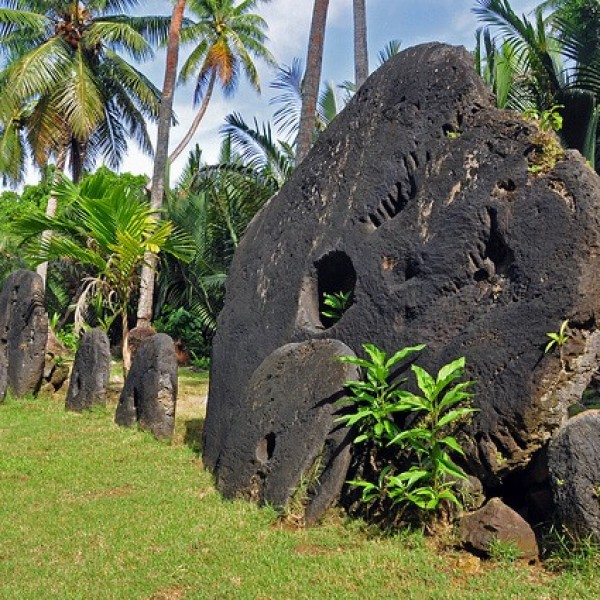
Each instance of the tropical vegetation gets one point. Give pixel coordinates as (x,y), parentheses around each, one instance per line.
(548,60)
(67,93)
(108,229)
(227,37)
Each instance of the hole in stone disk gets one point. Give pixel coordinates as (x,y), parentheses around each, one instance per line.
(265,448)
(508,185)
(336,279)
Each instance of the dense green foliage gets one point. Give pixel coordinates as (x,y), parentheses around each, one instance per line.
(422,475)
(550,59)
(105,225)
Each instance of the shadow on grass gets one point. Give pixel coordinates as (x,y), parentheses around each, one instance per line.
(193,434)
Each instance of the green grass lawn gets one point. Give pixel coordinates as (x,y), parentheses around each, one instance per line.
(90,510)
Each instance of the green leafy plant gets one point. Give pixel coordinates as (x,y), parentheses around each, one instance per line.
(337,303)
(431,480)
(375,398)
(431,476)
(559,338)
(548,120)
(548,149)
(200,363)
(68,338)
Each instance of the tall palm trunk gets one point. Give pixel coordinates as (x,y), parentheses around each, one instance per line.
(361,56)
(197,119)
(144,314)
(61,161)
(312,78)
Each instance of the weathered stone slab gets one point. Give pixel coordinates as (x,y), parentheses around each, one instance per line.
(23,333)
(149,395)
(287,432)
(419,201)
(574,463)
(91,372)
(496,522)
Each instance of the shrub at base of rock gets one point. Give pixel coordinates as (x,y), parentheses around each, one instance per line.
(23,333)
(286,442)
(496,523)
(150,393)
(91,372)
(574,463)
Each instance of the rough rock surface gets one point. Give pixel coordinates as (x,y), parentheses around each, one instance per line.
(137,336)
(149,395)
(497,522)
(23,333)
(91,372)
(418,200)
(574,463)
(287,431)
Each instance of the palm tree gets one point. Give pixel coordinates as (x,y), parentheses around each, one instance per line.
(547,62)
(312,78)
(165,117)
(107,228)
(65,84)
(228,37)
(214,204)
(361,54)
(289,83)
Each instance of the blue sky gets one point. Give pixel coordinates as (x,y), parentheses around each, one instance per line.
(411,21)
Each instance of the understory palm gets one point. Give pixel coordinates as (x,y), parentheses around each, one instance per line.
(214,204)
(106,228)
(65,87)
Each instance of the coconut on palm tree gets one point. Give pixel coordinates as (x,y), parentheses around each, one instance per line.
(227,37)
(65,86)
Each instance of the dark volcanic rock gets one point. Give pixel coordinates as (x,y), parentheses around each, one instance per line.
(418,200)
(287,431)
(497,522)
(23,333)
(574,462)
(150,392)
(91,372)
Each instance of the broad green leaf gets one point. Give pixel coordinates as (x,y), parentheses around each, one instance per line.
(402,354)
(455,394)
(377,355)
(425,381)
(451,371)
(452,444)
(454,415)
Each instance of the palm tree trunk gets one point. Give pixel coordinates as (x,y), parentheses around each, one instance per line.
(144,314)
(196,122)
(61,161)
(125,350)
(361,56)
(312,77)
